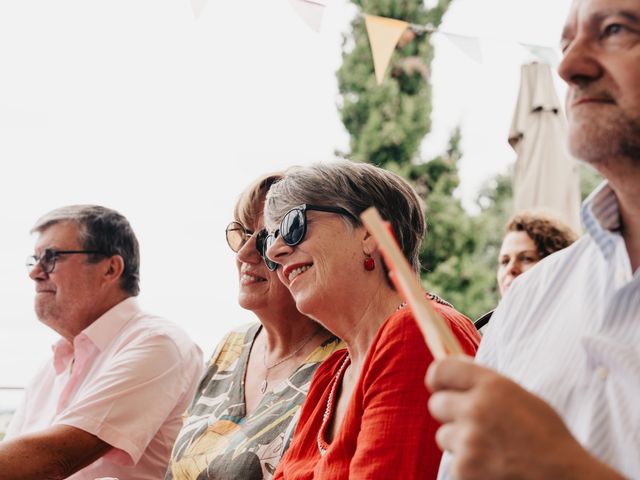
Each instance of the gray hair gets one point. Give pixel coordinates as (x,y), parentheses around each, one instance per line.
(103,230)
(354,187)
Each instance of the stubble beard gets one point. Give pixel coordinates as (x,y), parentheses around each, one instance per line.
(47,312)
(599,141)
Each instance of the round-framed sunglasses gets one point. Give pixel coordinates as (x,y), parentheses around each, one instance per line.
(293,226)
(237,235)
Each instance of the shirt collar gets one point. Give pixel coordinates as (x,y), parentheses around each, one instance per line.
(601,217)
(62,355)
(100,333)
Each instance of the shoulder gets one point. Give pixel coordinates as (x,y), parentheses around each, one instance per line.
(147,345)
(155,331)
(461,326)
(235,341)
(402,330)
(325,350)
(329,368)
(398,337)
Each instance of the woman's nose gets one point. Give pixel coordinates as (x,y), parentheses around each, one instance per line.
(514,267)
(248,252)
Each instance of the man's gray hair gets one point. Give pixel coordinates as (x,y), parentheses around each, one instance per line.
(354,187)
(103,230)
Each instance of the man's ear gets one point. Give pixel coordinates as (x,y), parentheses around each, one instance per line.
(114,269)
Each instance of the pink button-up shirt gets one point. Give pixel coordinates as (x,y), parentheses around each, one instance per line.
(127,378)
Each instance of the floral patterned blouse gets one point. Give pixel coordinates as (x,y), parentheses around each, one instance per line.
(218,439)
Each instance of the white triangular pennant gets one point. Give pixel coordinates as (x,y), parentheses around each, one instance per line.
(546,54)
(470,46)
(310,11)
(197,6)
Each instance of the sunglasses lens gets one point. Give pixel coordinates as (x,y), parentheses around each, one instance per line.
(271,265)
(268,241)
(261,246)
(236,236)
(293,227)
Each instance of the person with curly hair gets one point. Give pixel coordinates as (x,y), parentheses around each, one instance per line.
(529,237)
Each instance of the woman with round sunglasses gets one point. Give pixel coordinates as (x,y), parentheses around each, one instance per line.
(242,417)
(366,411)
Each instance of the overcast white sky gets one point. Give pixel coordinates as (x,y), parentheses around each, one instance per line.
(138,106)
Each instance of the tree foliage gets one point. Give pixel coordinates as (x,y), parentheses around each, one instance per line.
(460,251)
(387,124)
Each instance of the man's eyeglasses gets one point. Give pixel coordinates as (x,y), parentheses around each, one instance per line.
(238,235)
(293,226)
(48,258)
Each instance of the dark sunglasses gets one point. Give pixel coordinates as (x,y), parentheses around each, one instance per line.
(237,235)
(293,226)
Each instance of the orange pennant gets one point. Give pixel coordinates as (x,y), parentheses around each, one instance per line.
(384,34)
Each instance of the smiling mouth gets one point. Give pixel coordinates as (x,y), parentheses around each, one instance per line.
(247,278)
(297,271)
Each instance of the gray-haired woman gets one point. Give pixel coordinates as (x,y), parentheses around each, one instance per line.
(365,415)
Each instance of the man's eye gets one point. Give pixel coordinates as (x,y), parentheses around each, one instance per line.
(612,29)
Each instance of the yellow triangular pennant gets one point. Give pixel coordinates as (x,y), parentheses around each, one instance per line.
(384,34)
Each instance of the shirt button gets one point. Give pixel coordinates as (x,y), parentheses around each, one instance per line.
(602,372)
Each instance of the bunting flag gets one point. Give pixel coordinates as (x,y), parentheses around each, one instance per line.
(470,46)
(546,54)
(310,11)
(197,6)
(384,34)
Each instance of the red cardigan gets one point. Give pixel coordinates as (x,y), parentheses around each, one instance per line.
(386,431)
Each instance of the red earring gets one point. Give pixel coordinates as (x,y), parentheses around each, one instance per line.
(369,264)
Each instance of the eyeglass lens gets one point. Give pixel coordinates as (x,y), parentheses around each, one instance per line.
(47,261)
(237,236)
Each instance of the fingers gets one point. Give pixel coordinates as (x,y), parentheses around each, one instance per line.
(447,437)
(447,406)
(453,373)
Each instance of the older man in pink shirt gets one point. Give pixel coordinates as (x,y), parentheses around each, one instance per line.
(109,402)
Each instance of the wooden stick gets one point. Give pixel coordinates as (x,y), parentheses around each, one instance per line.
(437,335)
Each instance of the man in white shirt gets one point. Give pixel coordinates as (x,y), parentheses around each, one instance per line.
(110,400)
(567,333)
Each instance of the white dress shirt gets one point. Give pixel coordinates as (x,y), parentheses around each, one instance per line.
(568,330)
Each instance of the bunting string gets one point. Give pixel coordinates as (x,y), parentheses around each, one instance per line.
(385,34)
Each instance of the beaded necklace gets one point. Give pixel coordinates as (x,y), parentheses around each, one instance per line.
(332,392)
(327,410)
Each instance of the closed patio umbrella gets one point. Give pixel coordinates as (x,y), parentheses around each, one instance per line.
(545,174)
